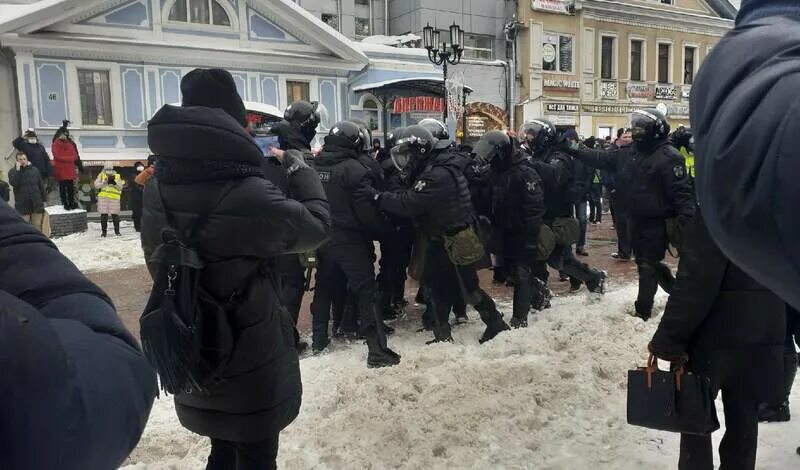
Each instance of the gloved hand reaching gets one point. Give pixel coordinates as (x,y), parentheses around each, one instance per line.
(366,193)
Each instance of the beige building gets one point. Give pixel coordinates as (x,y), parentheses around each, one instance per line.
(589,63)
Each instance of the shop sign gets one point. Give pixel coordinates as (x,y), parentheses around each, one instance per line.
(476,126)
(561,107)
(115,163)
(427,104)
(640,90)
(609,109)
(677,110)
(686,92)
(549,53)
(572,85)
(609,90)
(665,92)
(562,120)
(553,6)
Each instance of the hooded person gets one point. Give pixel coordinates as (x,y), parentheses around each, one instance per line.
(209,183)
(66,162)
(31,145)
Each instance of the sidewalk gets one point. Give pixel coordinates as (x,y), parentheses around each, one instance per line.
(129,288)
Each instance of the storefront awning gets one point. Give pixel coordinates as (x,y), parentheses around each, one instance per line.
(406,86)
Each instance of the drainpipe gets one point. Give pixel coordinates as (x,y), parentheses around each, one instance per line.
(385,17)
(511,30)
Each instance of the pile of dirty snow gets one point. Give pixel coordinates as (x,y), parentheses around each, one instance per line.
(90,252)
(549,397)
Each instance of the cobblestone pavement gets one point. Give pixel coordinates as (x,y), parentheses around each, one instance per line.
(129,288)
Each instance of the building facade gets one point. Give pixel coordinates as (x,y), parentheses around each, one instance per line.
(590,63)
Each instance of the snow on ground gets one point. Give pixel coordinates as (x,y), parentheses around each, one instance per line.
(92,253)
(548,397)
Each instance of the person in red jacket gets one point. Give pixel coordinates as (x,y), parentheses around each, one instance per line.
(65,163)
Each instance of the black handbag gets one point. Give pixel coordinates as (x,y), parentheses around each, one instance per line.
(678,401)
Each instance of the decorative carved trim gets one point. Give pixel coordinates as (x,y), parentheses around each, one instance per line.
(633,14)
(102,8)
(125,98)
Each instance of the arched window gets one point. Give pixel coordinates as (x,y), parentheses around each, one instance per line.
(209,12)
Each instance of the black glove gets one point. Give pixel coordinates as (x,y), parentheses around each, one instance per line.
(112,179)
(293,161)
(366,193)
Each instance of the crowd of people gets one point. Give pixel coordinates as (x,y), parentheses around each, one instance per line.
(231,232)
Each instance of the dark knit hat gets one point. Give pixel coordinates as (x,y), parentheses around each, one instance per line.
(213,88)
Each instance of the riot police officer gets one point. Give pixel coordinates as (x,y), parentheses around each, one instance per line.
(295,133)
(561,191)
(349,253)
(517,210)
(683,140)
(653,178)
(439,201)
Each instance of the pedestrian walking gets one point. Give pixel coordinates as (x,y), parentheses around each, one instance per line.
(32,147)
(29,192)
(109,185)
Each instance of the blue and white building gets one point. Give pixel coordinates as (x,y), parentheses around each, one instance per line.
(109,65)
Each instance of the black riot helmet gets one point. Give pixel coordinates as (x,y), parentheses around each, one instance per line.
(345,134)
(648,126)
(303,115)
(391,137)
(538,134)
(494,145)
(415,144)
(439,132)
(683,137)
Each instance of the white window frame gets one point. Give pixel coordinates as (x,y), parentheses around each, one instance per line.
(558,52)
(115,85)
(379,109)
(696,63)
(606,126)
(313,88)
(614,55)
(233,17)
(671,71)
(643,40)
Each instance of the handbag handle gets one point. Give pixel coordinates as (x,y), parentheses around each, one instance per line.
(652,367)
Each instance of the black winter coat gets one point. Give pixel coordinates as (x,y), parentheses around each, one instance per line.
(5,191)
(557,171)
(37,155)
(342,172)
(439,200)
(652,183)
(745,120)
(517,199)
(732,327)
(76,389)
(261,389)
(29,192)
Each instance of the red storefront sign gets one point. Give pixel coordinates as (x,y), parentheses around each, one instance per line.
(411,104)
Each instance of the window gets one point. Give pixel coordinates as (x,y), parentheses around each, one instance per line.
(296,91)
(362,3)
(604,131)
(637,46)
(664,53)
(199,12)
(666,2)
(95,91)
(475,47)
(689,59)
(558,53)
(362,27)
(331,20)
(607,57)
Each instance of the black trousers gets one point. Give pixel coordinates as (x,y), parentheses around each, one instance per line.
(226,455)
(346,256)
(137,196)
(446,285)
(104,223)
(395,258)
(649,237)
(596,203)
(66,191)
(737,451)
(622,227)
(562,259)
(526,288)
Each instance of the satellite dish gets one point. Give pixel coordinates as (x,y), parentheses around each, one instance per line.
(662,108)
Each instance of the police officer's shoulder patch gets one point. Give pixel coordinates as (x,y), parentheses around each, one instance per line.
(679,171)
(324,176)
(420,185)
(531,186)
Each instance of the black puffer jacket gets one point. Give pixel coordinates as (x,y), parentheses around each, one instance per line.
(745,120)
(342,171)
(732,327)
(260,394)
(653,181)
(557,171)
(439,200)
(29,193)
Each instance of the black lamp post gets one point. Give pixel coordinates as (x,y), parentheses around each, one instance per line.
(441,54)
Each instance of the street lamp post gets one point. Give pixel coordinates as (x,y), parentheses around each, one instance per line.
(441,54)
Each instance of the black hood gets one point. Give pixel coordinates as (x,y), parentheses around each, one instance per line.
(200,133)
(332,155)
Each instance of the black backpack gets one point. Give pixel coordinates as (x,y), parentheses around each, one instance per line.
(185,331)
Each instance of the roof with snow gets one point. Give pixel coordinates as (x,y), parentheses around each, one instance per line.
(431,85)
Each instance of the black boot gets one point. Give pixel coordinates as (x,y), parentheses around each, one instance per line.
(518,323)
(781,413)
(379,356)
(116,225)
(541,295)
(598,286)
(441,334)
(104,225)
(491,317)
(643,311)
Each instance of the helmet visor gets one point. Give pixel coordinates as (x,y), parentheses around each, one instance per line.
(641,122)
(402,154)
(485,151)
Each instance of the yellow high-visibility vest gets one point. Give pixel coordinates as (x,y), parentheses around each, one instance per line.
(689,157)
(111,191)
